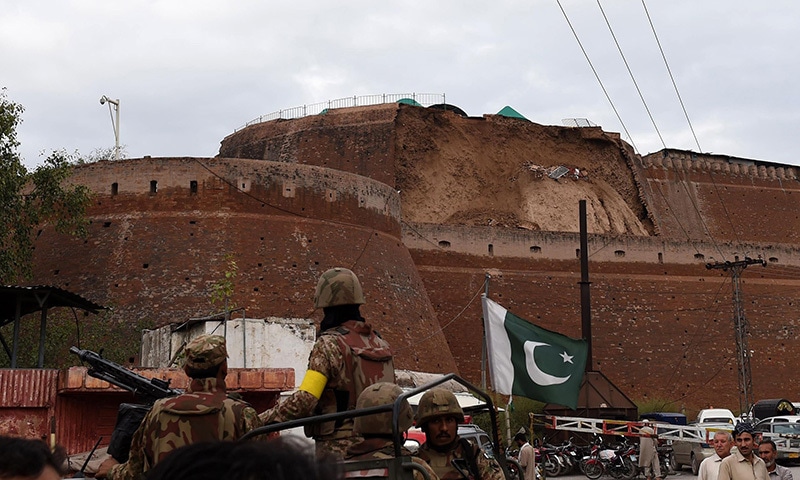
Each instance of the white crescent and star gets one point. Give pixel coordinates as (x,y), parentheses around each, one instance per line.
(537,375)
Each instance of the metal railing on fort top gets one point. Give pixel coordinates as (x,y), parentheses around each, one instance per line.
(422,99)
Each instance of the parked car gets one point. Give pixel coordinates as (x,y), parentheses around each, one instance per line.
(786,425)
(692,453)
(416,437)
(665,417)
(716,415)
(772,407)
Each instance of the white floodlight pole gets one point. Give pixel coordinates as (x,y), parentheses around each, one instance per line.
(114,123)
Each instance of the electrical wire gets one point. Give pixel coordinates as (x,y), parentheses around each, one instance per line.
(669,70)
(633,78)
(597,76)
(449,322)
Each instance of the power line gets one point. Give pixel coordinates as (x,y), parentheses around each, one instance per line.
(675,85)
(597,76)
(635,83)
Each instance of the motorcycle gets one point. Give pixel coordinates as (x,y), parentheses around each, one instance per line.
(619,462)
(665,459)
(552,463)
(568,452)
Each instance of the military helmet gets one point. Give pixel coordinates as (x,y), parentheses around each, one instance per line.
(381,423)
(338,286)
(438,402)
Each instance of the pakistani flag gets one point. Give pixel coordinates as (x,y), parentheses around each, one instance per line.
(530,361)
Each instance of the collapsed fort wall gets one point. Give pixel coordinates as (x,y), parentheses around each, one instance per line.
(472,196)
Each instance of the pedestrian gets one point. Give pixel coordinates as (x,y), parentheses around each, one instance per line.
(203,413)
(28,459)
(527,456)
(768,452)
(743,464)
(709,467)
(347,356)
(376,429)
(648,453)
(450,456)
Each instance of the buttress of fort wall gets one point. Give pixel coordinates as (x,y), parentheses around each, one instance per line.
(162,230)
(356,140)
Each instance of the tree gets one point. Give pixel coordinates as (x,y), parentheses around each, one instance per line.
(223,289)
(30,199)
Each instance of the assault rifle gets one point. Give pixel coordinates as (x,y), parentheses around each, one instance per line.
(130,415)
(149,389)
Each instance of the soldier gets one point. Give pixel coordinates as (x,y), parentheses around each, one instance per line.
(347,357)
(203,413)
(451,457)
(377,428)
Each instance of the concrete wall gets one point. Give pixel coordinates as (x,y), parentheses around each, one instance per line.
(251,343)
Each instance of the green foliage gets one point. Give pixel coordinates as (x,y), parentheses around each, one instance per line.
(650,405)
(30,199)
(520,409)
(101,154)
(222,290)
(66,328)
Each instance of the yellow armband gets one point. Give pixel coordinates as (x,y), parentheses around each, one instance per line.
(314,383)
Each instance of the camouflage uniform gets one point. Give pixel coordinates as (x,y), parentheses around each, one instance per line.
(441,463)
(377,428)
(203,413)
(476,465)
(350,357)
(382,448)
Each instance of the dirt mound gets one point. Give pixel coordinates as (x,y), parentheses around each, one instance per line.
(496,171)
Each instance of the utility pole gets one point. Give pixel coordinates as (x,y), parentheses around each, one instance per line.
(115,124)
(740,328)
(586,297)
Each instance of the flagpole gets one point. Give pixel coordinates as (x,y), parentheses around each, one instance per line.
(508,421)
(483,344)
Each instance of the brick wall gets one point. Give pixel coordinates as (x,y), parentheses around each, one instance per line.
(155,255)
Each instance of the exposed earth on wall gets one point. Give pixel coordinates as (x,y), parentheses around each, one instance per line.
(484,171)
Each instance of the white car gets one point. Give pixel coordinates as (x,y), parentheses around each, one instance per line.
(782,425)
(716,415)
(692,453)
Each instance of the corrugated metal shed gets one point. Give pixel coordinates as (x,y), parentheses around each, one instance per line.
(28,399)
(17,301)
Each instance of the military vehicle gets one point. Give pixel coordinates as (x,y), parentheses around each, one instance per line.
(401,467)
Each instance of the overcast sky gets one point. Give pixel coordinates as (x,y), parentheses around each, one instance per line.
(187,73)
